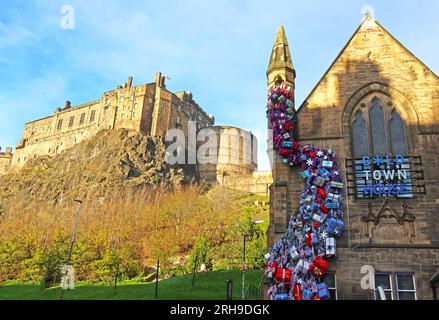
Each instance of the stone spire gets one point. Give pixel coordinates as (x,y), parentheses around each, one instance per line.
(281,66)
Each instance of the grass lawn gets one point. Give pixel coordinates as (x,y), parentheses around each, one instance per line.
(208,286)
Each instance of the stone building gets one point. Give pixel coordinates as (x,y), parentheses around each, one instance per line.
(151,109)
(236,153)
(376,99)
(5,159)
(148,108)
(236,165)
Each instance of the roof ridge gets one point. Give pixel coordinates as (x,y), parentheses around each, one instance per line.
(367,19)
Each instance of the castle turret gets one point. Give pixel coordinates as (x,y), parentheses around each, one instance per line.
(160,80)
(280,69)
(5,160)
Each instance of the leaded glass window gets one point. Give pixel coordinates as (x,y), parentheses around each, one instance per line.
(397,134)
(378,130)
(360,135)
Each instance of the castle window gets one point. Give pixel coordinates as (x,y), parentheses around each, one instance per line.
(59,126)
(121,99)
(92,116)
(71,120)
(82,119)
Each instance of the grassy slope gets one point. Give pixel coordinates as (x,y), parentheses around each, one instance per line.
(208,286)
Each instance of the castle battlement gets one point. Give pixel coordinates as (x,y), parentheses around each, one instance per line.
(7,152)
(5,159)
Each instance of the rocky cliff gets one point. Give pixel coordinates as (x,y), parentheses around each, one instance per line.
(112,161)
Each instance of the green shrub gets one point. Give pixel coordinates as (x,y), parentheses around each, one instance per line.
(12,253)
(55,258)
(200,254)
(116,262)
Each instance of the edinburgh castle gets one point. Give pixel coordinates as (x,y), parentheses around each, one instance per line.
(152,110)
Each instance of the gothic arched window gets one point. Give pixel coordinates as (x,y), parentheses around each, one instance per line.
(360,135)
(397,134)
(377,128)
(279,81)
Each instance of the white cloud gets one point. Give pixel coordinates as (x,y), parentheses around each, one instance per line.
(15,35)
(26,101)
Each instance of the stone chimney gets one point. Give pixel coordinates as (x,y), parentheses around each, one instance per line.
(8,151)
(160,80)
(129,82)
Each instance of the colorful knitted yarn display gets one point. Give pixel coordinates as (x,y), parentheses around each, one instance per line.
(298,262)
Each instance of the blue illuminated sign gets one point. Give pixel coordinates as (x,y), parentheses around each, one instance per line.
(384,176)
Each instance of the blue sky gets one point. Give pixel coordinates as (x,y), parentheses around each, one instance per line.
(219,50)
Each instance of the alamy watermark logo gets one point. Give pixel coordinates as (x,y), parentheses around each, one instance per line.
(368,280)
(68,19)
(368,11)
(68,277)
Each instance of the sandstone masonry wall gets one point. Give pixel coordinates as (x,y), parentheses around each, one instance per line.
(373,62)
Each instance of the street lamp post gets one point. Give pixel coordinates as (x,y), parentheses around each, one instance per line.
(157,279)
(72,240)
